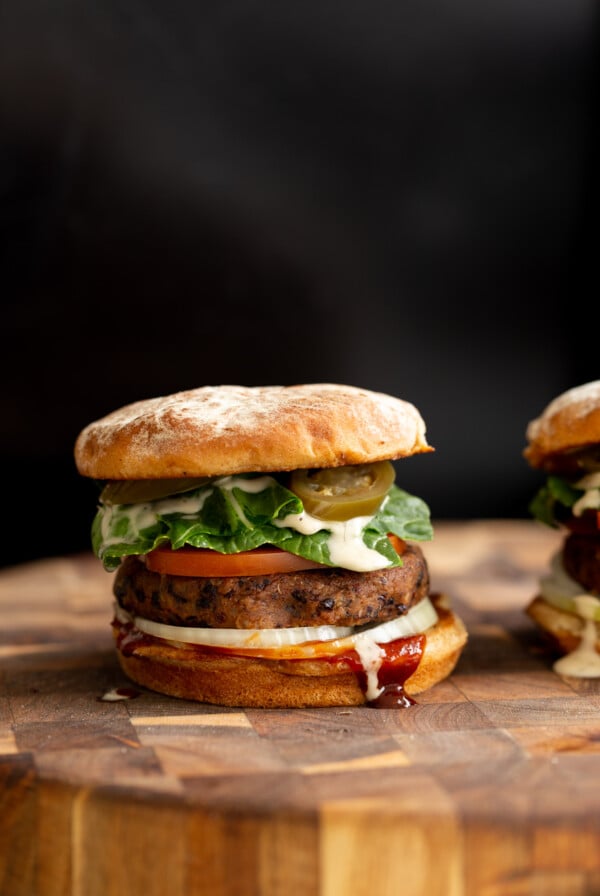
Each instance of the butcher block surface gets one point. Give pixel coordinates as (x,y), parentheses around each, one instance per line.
(489,785)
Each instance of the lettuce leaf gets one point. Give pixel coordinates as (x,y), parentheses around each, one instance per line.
(554,495)
(227,518)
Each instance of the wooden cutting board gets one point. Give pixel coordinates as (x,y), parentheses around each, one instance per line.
(489,786)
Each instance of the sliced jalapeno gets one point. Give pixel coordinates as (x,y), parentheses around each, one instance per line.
(139,491)
(340,493)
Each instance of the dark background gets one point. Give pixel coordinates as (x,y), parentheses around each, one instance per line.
(402,196)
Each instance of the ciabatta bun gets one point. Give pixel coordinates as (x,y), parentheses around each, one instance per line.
(225,430)
(570,422)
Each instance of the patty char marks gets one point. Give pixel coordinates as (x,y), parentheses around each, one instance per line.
(313,597)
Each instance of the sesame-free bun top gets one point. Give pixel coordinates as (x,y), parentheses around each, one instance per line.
(220,430)
(570,423)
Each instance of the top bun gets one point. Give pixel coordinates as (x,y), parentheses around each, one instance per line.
(569,423)
(220,430)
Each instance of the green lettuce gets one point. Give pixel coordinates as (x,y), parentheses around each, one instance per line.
(554,495)
(228,519)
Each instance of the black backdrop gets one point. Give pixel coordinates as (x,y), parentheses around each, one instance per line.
(399,196)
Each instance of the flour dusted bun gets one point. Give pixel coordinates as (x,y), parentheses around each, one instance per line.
(570,423)
(181,671)
(223,430)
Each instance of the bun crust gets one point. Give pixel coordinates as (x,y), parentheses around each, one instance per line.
(220,430)
(240,681)
(570,422)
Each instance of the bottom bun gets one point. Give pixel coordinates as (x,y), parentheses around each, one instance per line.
(563,629)
(227,680)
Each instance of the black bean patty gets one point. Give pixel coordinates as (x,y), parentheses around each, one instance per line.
(312,597)
(581,559)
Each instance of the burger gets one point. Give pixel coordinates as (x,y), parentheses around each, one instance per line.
(564,442)
(264,555)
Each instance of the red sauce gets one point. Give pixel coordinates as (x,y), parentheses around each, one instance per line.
(130,638)
(401,659)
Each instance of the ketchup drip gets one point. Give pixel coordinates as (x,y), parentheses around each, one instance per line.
(392,697)
(401,658)
(398,665)
(130,638)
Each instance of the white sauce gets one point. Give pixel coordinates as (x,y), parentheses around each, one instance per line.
(141,516)
(584,661)
(558,588)
(563,592)
(346,546)
(371,657)
(590,500)
(251,486)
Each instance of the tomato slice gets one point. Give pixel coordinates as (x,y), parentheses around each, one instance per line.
(200,562)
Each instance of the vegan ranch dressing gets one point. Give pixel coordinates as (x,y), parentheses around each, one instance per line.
(584,661)
(559,589)
(590,500)
(346,547)
(142,516)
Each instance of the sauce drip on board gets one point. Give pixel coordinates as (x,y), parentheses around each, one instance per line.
(115,695)
(400,659)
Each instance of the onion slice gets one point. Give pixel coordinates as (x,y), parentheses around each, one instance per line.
(339,638)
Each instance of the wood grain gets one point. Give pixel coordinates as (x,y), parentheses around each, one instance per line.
(487,786)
